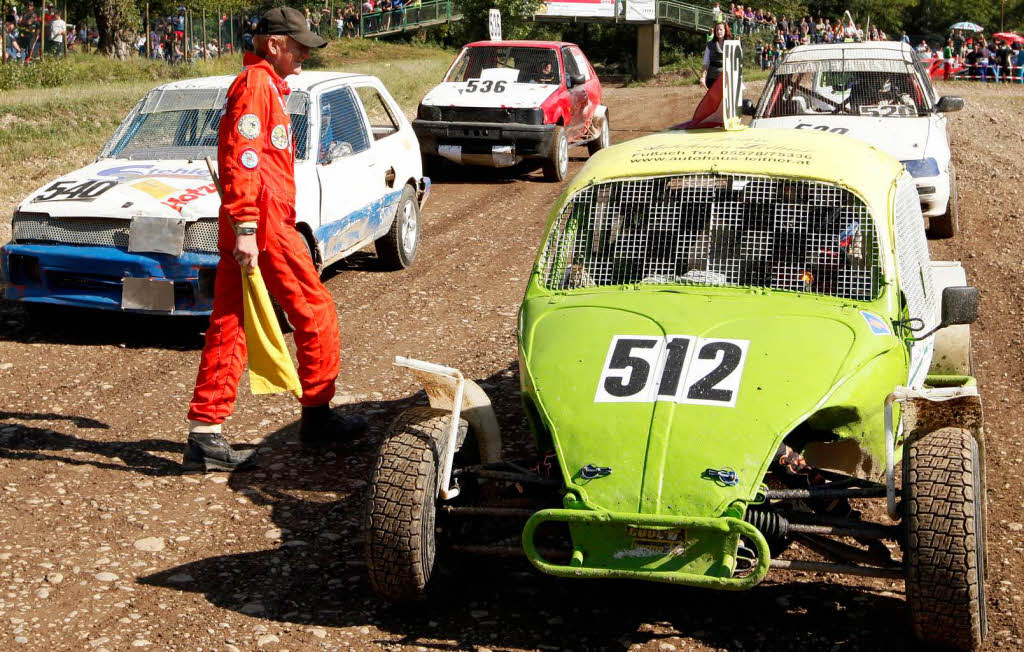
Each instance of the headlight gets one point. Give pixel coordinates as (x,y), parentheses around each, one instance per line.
(427,112)
(925,167)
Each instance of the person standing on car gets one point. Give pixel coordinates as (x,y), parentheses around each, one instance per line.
(713,56)
(256,160)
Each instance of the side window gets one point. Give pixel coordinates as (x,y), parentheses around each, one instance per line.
(382,122)
(342,131)
(581,63)
(570,63)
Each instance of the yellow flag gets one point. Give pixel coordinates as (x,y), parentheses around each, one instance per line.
(270,367)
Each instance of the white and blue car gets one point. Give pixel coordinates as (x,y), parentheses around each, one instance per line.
(137,229)
(877,92)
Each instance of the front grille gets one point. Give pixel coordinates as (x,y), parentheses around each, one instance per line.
(200,236)
(472,114)
(719,230)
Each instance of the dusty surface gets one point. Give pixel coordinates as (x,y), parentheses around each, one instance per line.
(103,544)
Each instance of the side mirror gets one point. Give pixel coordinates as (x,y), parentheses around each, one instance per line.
(949,103)
(747,108)
(959,306)
(576,80)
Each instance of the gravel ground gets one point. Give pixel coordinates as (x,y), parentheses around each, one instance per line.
(104,545)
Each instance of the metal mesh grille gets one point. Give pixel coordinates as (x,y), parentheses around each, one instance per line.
(846,81)
(183,124)
(724,230)
(522,65)
(200,236)
(915,267)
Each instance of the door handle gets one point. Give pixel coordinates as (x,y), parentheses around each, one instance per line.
(389,177)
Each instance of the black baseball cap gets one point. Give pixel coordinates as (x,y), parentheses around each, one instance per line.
(289,22)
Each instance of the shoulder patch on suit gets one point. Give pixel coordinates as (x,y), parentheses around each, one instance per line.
(249,158)
(279,137)
(249,125)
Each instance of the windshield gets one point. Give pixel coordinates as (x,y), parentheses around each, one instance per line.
(718,230)
(524,65)
(881,88)
(178,125)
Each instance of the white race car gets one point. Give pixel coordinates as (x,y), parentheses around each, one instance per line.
(137,229)
(877,92)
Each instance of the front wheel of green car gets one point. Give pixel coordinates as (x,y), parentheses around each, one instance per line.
(945,539)
(400,535)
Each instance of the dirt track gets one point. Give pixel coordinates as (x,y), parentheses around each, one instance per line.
(92,427)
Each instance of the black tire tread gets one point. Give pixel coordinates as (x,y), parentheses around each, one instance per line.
(948,224)
(945,589)
(389,245)
(400,547)
(550,164)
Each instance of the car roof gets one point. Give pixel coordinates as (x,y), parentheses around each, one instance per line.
(897,50)
(304,81)
(789,153)
(521,44)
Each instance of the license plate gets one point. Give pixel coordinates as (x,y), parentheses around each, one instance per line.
(159,235)
(657,538)
(147,294)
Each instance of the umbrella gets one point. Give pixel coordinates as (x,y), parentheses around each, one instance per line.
(971,27)
(1009,37)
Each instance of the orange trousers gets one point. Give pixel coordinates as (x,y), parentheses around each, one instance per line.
(294,283)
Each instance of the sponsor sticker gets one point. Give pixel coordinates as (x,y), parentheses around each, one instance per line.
(249,125)
(279,137)
(74,191)
(155,188)
(249,158)
(876,323)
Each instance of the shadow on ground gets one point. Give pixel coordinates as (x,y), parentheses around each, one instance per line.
(317,576)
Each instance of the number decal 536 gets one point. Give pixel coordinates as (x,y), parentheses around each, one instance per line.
(485,86)
(680,368)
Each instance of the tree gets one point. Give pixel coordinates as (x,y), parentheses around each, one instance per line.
(117,22)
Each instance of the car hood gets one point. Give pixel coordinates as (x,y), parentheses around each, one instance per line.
(515,95)
(796,357)
(902,138)
(121,188)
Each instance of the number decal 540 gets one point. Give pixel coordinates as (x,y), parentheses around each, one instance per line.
(680,368)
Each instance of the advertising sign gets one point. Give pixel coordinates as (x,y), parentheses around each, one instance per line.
(640,11)
(580,8)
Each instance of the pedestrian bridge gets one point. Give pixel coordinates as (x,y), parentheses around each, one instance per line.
(411,18)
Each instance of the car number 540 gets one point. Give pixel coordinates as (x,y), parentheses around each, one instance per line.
(679,368)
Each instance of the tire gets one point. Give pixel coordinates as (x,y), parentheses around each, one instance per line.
(947,225)
(400,537)
(604,140)
(945,539)
(556,165)
(397,248)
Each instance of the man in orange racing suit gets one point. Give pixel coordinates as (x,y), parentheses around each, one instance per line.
(256,161)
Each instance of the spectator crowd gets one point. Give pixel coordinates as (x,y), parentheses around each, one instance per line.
(30,32)
(974,57)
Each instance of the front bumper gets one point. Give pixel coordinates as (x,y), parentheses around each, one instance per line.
(484,143)
(91,277)
(609,545)
(933,193)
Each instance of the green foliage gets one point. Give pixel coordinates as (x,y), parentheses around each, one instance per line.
(516,19)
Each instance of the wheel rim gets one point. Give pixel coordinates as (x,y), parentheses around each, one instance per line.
(563,154)
(605,135)
(409,227)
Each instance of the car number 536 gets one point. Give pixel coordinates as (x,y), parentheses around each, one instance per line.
(679,368)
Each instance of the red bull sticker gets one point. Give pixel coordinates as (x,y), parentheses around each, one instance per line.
(249,158)
(877,325)
(279,137)
(249,125)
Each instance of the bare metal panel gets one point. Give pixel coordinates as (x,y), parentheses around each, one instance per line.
(147,294)
(717,230)
(156,235)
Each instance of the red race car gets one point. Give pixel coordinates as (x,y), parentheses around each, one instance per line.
(506,101)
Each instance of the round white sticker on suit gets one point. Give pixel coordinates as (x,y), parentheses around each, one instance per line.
(279,137)
(249,158)
(249,125)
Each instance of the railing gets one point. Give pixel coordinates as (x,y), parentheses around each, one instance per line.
(702,19)
(410,17)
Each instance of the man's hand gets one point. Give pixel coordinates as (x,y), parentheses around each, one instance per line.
(246,251)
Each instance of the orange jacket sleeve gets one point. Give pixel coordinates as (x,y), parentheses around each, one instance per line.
(240,147)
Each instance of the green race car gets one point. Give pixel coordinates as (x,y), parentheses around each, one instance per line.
(731,341)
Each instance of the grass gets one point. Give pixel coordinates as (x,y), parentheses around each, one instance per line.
(48,132)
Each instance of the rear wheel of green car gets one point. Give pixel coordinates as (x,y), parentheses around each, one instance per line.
(400,536)
(945,539)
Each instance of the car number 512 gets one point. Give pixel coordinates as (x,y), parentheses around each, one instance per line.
(679,368)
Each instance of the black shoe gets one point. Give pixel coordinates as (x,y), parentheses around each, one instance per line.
(321,428)
(211,452)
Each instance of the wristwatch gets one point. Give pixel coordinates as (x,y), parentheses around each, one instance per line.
(245,228)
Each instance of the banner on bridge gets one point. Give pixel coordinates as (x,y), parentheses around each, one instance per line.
(641,11)
(580,8)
